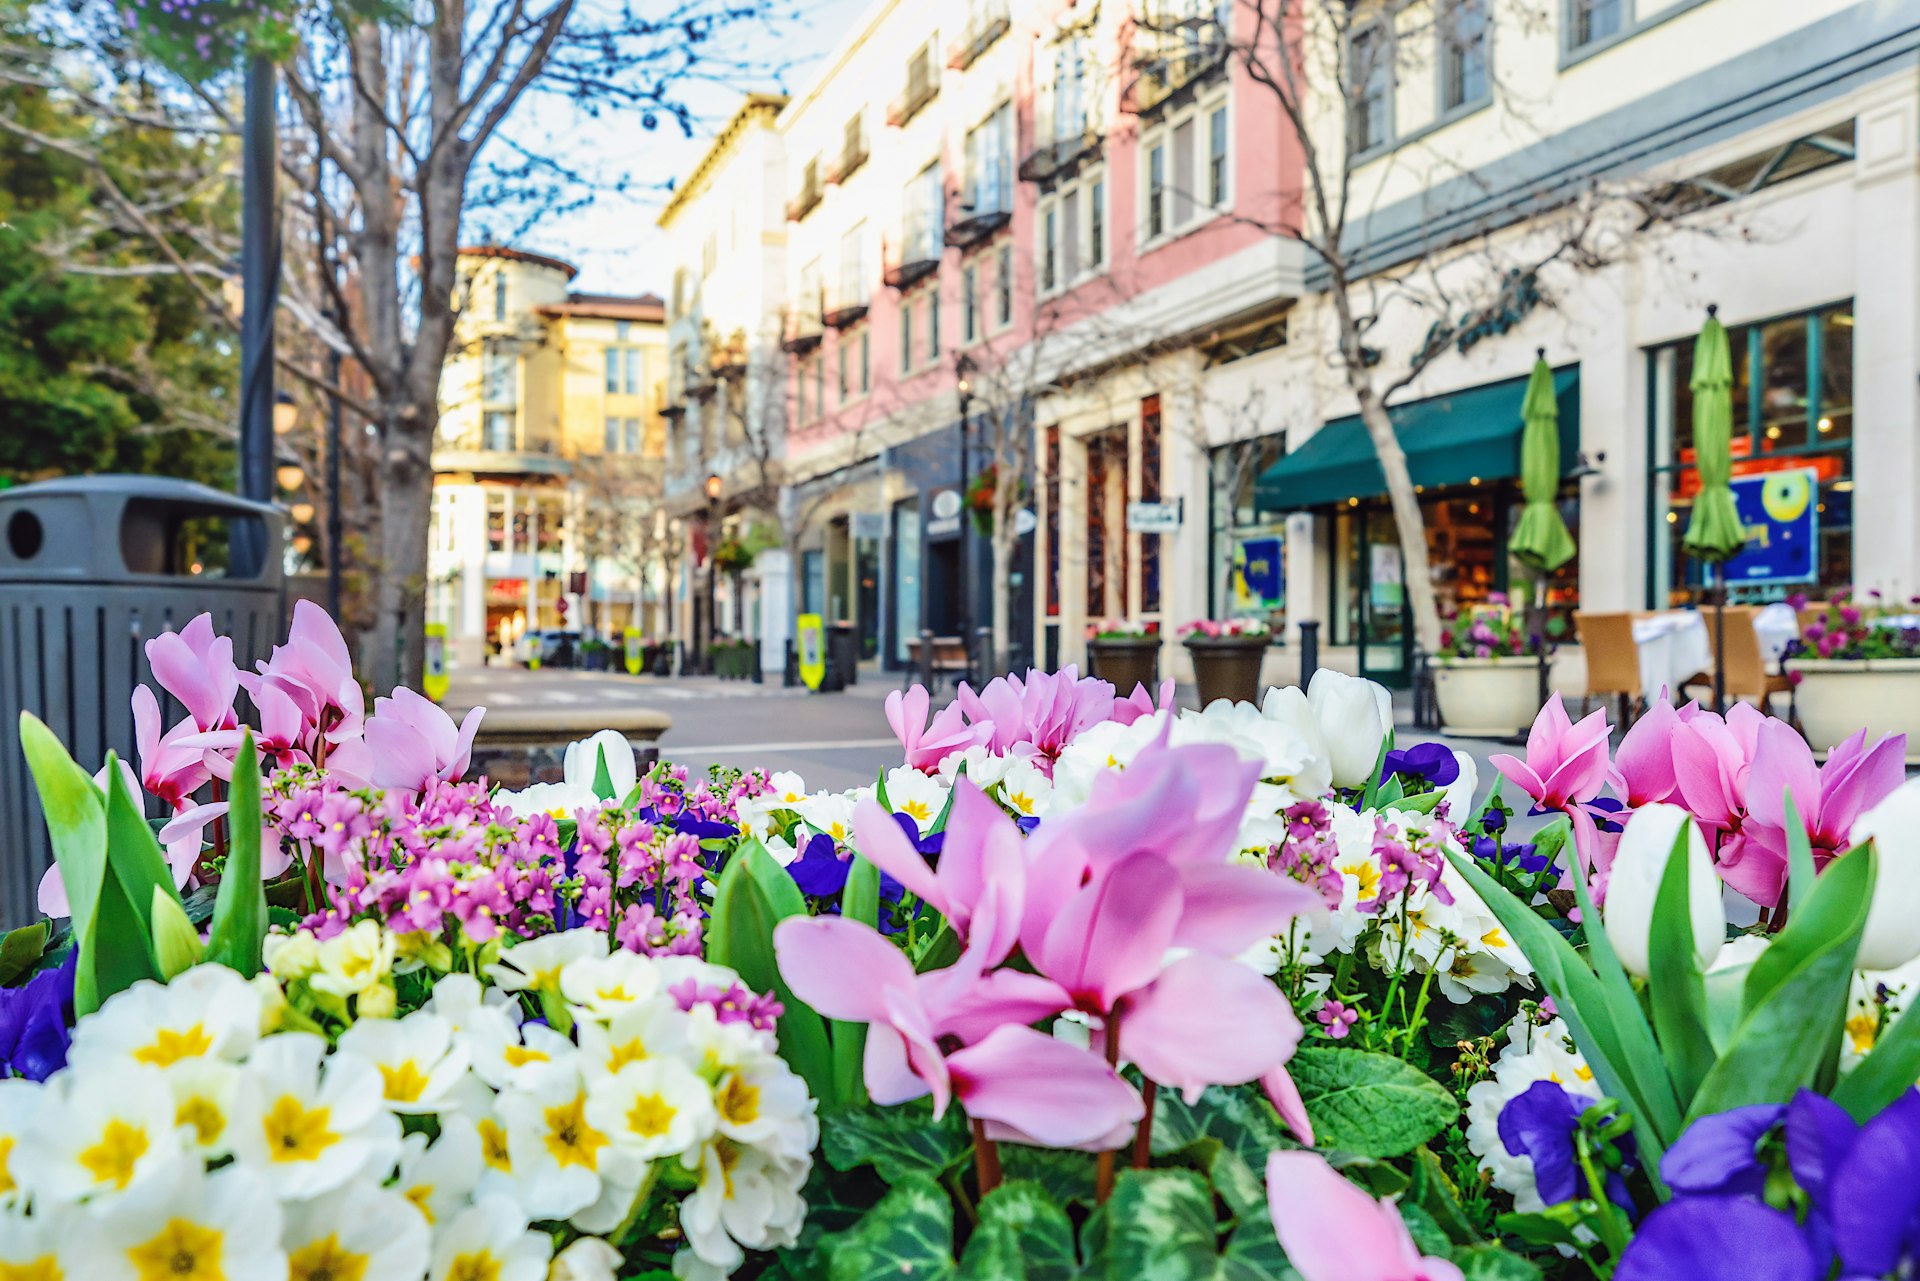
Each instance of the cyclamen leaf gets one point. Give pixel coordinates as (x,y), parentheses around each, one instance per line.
(1371,1104)
(1064,1174)
(900,1143)
(1023,1235)
(909,1234)
(1494,1263)
(1160,1227)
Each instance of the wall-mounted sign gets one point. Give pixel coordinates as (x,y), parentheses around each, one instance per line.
(945,519)
(1780,511)
(872,525)
(1024,522)
(1155,518)
(810,638)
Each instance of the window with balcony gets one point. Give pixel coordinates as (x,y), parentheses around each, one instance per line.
(851,294)
(986,200)
(986,22)
(1594,20)
(1463,53)
(1180,46)
(807,199)
(1369,89)
(499,431)
(1063,127)
(853,149)
(922,84)
(921,226)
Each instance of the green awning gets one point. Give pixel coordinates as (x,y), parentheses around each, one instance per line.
(1450,440)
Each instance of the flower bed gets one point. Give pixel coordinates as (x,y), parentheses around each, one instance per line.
(1085,987)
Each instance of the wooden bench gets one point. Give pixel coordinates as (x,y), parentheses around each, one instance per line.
(929,656)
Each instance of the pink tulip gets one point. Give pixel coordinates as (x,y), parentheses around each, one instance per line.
(1828,799)
(196,667)
(1333,1231)
(414,741)
(983,855)
(926,745)
(1566,763)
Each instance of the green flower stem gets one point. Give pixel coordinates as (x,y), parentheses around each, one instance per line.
(1606,1216)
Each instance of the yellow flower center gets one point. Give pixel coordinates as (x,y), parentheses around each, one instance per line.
(570,1140)
(112,1159)
(919,811)
(403,1084)
(474,1267)
(6,1176)
(650,1116)
(1368,875)
(630,1051)
(738,1102)
(1862,1029)
(493,1145)
(521,1055)
(296,1132)
(169,1047)
(1584,1072)
(1021,801)
(181,1251)
(420,1194)
(1494,938)
(44,1268)
(614,993)
(325,1260)
(838,831)
(204,1115)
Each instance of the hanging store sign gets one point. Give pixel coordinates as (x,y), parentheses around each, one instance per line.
(869,525)
(1155,518)
(945,519)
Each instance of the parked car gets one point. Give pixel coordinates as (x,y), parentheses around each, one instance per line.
(557,647)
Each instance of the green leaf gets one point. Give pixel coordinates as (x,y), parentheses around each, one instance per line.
(1434,1191)
(1494,1263)
(942,950)
(1253,1253)
(602,778)
(859,901)
(1023,1235)
(1371,1104)
(1426,1234)
(1800,869)
(1796,994)
(1676,991)
(740,937)
(900,1143)
(21,950)
(240,909)
(1238,1116)
(134,856)
(1577,994)
(1067,1175)
(1160,1227)
(908,1235)
(176,944)
(108,932)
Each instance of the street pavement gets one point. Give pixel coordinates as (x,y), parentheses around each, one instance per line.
(834,741)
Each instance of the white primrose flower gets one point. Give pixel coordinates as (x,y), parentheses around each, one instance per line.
(490,1241)
(355,960)
(439,1178)
(535,1050)
(420,1063)
(97,1133)
(535,964)
(186,1225)
(921,797)
(744,1199)
(20,1100)
(1098,748)
(207,1011)
(39,1248)
(654,1108)
(983,767)
(829,814)
(1534,1052)
(763,1104)
(605,985)
(555,1149)
(1024,789)
(1290,764)
(305,1129)
(204,1092)
(645,1032)
(588,1259)
(361,1231)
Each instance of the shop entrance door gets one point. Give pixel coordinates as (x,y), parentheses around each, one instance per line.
(1385,632)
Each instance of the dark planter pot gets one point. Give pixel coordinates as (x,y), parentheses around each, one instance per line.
(1125,661)
(1227,667)
(594,660)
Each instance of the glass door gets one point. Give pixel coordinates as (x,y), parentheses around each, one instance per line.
(1384,633)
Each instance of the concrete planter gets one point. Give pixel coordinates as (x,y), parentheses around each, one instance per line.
(1487,697)
(1126,661)
(1227,667)
(1838,697)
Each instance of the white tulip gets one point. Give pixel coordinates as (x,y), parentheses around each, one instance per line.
(1355,717)
(582,761)
(1634,884)
(1892,934)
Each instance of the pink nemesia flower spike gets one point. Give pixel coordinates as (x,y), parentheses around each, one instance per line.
(1333,1231)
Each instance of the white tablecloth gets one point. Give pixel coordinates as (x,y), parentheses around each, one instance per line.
(1673,646)
(1777,624)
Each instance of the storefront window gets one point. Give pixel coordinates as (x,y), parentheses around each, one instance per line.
(1245,551)
(1792,430)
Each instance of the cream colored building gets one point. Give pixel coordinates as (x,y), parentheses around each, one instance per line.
(547,457)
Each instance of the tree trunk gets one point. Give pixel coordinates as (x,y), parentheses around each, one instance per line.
(1003,543)
(1417,575)
(393,651)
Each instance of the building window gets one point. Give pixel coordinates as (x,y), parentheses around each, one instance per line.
(1217,157)
(906,336)
(499,295)
(631,385)
(1157,191)
(613,370)
(1097,222)
(1003,287)
(623,436)
(933,324)
(1150,493)
(622,330)
(970,305)
(866,365)
(819,387)
(1370,88)
(989,161)
(1792,432)
(497,431)
(1463,54)
(1245,545)
(500,376)
(1594,20)
(843,366)
(1049,249)
(926,217)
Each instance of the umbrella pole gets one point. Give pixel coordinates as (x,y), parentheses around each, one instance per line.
(1540,629)
(1720,642)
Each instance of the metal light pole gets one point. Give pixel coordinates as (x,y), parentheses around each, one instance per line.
(260,278)
(963,367)
(333,486)
(714,486)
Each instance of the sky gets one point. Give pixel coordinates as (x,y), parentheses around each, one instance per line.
(611,235)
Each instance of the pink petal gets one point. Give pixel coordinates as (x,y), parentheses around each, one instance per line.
(1859,782)
(970,1006)
(1207,1021)
(456,767)
(1644,762)
(52,897)
(401,756)
(1333,1231)
(191,822)
(1519,774)
(1109,938)
(1061,1095)
(841,968)
(1286,1100)
(1228,908)
(882,843)
(890,1081)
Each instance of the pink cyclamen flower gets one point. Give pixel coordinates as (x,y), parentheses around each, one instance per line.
(1333,1231)
(1042,711)
(1643,771)
(314,669)
(983,855)
(415,742)
(170,768)
(196,667)
(1140,703)
(1566,763)
(927,744)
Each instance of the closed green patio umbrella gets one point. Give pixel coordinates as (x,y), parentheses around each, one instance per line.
(1540,539)
(1714,532)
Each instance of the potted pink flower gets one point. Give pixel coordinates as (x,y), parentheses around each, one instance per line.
(1124,651)
(1226,657)
(1486,673)
(1857,664)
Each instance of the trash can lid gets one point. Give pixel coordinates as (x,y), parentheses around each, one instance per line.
(120,528)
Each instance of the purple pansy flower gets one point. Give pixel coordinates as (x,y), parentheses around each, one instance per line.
(34,1022)
(1540,1123)
(1433,762)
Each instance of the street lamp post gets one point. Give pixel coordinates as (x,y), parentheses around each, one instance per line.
(963,369)
(714,486)
(334,534)
(260,276)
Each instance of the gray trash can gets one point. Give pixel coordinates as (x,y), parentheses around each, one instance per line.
(91,567)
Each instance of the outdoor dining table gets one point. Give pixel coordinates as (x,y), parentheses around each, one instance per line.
(1674,645)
